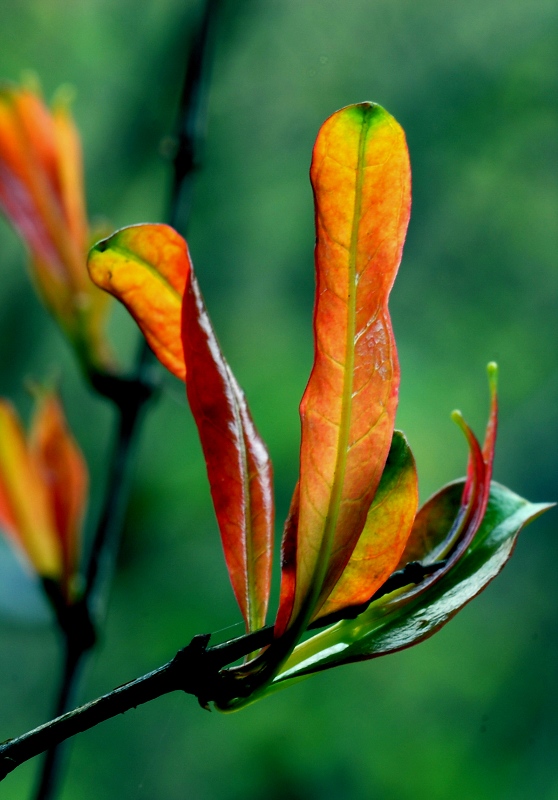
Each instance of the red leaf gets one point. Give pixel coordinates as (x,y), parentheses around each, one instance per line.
(288,564)
(424,542)
(238,465)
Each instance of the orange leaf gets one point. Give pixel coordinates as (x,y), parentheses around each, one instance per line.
(28,180)
(146,267)
(64,473)
(41,193)
(385,533)
(70,178)
(361,180)
(25,512)
(43,489)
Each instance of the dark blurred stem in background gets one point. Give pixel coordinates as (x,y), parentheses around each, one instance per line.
(130,395)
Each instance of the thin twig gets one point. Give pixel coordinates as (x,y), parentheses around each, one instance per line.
(131,403)
(76,621)
(130,395)
(196,669)
(192,118)
(52,763)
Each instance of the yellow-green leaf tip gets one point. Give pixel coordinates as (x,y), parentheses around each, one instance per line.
(459,420)
(492,371)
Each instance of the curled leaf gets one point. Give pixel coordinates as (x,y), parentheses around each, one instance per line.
(146,268)
(387,627)
(424,542)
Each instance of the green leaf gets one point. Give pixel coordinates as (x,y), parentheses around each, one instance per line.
(390,624)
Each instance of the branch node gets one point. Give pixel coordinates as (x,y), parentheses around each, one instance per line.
(194,669)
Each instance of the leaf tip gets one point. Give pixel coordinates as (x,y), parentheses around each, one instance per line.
(492,371)
(99,247)
(457,417)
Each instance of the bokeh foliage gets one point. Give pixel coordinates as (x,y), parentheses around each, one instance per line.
(472,712)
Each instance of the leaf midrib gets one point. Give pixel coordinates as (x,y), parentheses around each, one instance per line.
(348,382)
(250,587)
(133,256)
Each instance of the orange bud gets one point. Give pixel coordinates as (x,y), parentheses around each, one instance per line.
(43,489)
(41,193)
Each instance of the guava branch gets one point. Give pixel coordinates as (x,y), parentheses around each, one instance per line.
(130,395)
(196,669)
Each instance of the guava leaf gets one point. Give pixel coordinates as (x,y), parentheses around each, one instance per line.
(385,626)
(146,267)
(385,533)
(361,180)
(238,465)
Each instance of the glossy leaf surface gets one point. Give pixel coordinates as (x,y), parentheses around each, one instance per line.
(238,465)
(146,268)
(361,180)
(386,627)
(385,533)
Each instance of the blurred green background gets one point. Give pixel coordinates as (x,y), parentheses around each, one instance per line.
(472,713)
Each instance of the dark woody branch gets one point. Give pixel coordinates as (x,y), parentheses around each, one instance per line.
(196,669)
